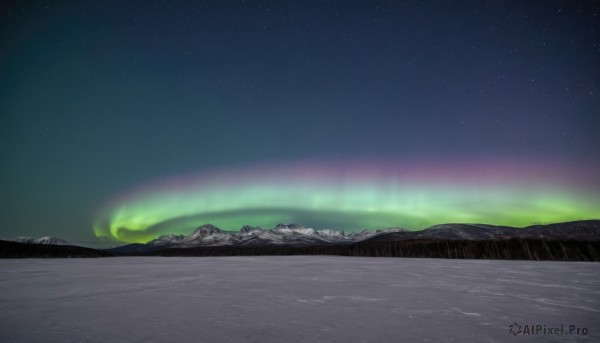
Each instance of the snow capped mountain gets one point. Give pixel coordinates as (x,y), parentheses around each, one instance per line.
(52,241)
(250,230)
(48,240)
(205,235)
(166,240)
(294,234)
(366,234)
(293,229)
(330,233)
(207,230)
(286,234)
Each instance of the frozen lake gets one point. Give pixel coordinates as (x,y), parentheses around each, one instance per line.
(293,299)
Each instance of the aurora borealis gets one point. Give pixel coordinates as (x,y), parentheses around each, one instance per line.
(121,121)
(353,196)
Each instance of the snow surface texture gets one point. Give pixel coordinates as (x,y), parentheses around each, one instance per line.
(293,299)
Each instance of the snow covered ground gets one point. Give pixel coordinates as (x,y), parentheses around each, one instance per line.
(293,299)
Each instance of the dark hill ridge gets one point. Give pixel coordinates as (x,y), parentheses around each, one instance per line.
(10,249)
(585,230)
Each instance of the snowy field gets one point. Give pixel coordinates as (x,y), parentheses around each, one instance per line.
(293,299)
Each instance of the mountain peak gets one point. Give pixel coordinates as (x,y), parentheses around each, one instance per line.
(206,229)
(166,239)
(287,226)
(246,229)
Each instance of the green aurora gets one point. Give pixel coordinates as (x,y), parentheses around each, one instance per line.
(343,201)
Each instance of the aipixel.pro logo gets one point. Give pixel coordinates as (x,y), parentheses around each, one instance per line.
(541,329)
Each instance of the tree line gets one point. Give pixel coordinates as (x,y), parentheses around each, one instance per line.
(510,249)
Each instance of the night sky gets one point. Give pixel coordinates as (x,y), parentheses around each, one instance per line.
(127,120)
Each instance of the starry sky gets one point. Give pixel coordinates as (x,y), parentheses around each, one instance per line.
(126,120)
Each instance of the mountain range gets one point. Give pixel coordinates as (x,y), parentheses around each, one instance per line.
(48,240)
(280,235)
(294,235)
(584,230)
(570,241)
